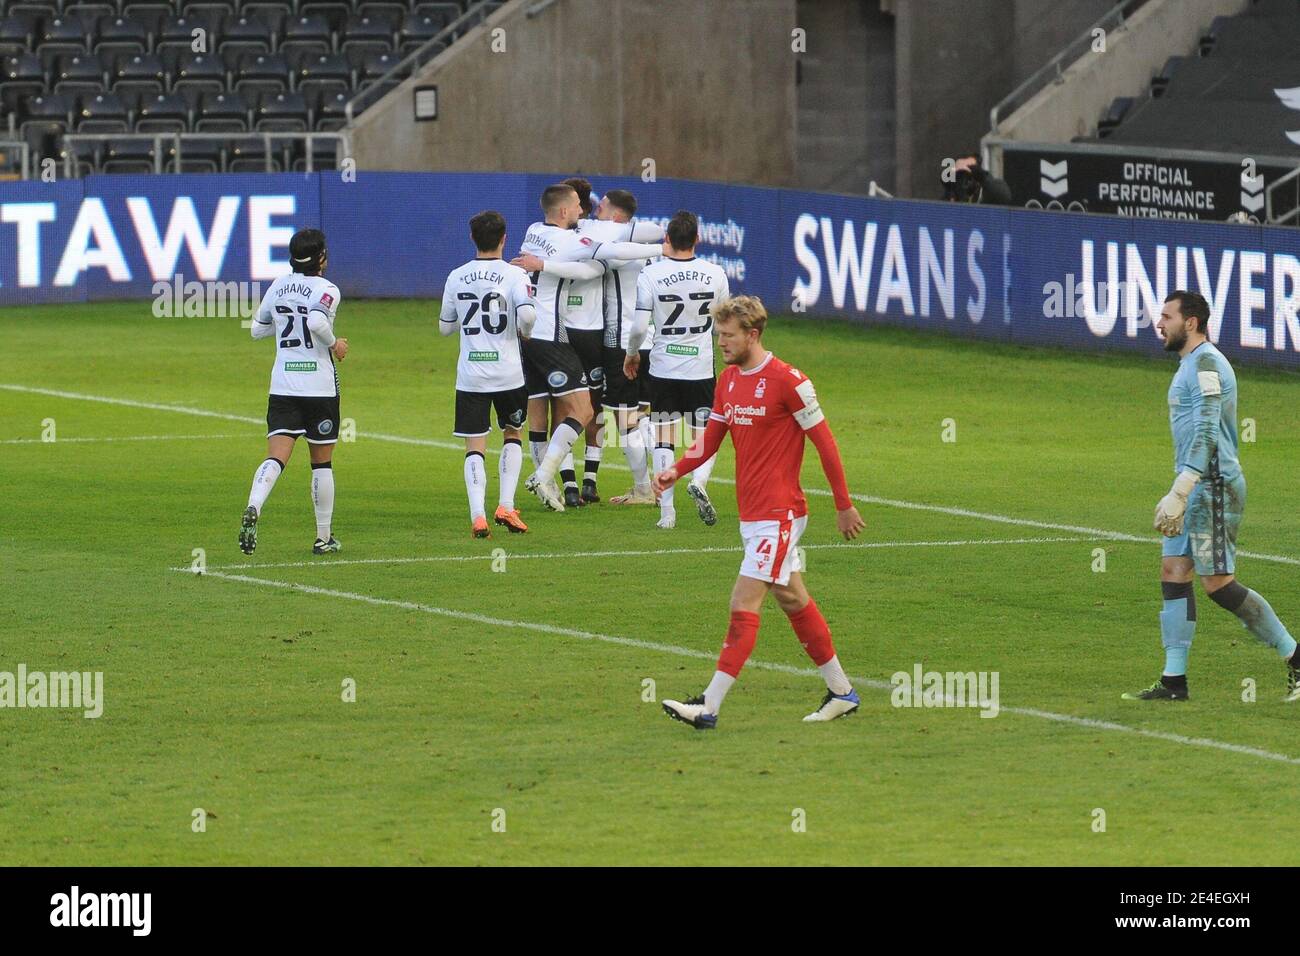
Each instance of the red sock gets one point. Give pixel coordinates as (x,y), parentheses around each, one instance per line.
(741,636)
(813,633)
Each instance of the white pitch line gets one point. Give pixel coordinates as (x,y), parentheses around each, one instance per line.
(423,559)
(1085,722)
(820,492)
(64,441)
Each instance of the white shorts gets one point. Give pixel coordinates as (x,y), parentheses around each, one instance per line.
(771,548)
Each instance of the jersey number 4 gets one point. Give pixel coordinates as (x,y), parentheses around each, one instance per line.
(287,341)
(492,324)
(704,298)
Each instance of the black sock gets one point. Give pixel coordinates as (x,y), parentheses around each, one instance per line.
(1174,680)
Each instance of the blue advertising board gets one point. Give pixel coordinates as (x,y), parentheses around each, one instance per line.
(1031,276)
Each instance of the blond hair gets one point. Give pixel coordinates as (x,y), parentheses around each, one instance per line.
(746,309)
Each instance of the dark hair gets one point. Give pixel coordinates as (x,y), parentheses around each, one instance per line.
(622,200)
(683,230)
(487,229)
(1192,305)
(552,196)
(583,188)
(307,251)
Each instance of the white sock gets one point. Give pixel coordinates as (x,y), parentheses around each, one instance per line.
(664,460)
(647,431)
(475,483)
(717,690)
(537,448)
(512,459)
(701,475)
(592,455)
(634,449)
(322,498)
(836,680)
(263,482)
(559,449)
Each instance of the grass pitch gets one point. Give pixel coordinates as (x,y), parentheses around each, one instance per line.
(486,696)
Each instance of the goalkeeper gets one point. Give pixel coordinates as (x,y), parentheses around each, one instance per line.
(1200,515)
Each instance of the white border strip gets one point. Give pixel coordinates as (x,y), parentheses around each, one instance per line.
(65,441)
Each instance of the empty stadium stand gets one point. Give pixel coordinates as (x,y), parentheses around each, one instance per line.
(243,83)
(1239,91)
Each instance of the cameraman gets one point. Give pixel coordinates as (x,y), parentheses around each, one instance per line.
(971,182)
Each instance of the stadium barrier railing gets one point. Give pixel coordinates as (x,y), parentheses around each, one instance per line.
(24,152)
(1282,199)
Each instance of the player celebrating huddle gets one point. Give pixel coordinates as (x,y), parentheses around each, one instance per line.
(768,407)
(490,302)
(304,397)
(678,291)
(552,369)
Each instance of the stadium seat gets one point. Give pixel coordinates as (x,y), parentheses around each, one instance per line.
(286,112)
(248,33)
(331,112)
(85,153)
(324,155)
(78,73)
(199,71)
(331,67)
(121,35)
(181,30)
(49,107)
(66,32)
(163,113)
(377,29)
(441,13)
(221,113)
(335,14)
(378,64)
(128,156)
(314,30)
(389,10)
(102,113)
(250,156)
(141,72)
(1114,115)
(262,73)
(417,30)
(25,68)
(201,156)
(18,30)
(150,15)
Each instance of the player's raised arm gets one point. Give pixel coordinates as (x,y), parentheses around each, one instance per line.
(645,231)
(808,413)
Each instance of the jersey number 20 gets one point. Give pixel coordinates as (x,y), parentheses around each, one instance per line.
(492,324)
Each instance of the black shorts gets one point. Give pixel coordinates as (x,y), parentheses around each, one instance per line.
(643,379)
(552,369)
(620,391)
(474,411)
(590,346)
(316,417)
(674,398)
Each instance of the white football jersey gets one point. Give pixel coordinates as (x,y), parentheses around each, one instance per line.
(302,366)
(484,297)
(678,294)
(555,295)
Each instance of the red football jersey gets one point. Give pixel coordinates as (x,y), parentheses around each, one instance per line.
(767,410)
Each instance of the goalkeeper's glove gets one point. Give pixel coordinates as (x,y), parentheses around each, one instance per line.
(1169,513)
